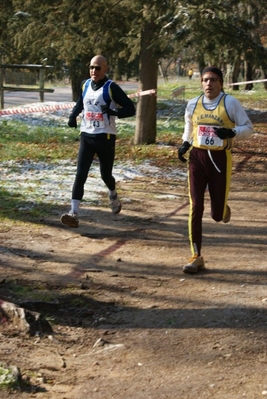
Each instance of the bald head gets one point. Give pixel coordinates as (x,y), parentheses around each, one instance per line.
(101,67)
(99,59)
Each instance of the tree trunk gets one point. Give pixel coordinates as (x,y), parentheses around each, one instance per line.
(146,113)
(265,83)
(236,72)
(248,76)
(78,72)
(201,62)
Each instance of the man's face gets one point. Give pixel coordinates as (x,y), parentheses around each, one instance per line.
(98,68)
(211,84)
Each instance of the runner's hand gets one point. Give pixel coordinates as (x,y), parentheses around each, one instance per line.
(182,150)
(224,133)
(72,122)
(106,110)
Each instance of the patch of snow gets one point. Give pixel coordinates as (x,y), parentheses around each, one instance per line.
(52,182)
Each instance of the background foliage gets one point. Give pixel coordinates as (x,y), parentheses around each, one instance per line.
(135,37)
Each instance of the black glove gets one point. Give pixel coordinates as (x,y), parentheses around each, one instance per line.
(224,133)
(72,122)
(182,150)
(106,110)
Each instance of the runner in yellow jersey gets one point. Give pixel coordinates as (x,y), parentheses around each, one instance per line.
(212,121)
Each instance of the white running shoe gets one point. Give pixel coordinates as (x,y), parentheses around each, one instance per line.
(70,220)
(115,205)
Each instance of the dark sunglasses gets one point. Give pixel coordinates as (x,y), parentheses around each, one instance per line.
(97,68)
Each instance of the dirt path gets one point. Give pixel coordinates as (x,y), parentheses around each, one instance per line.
(127,322)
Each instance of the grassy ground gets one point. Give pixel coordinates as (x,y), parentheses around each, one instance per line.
(20,141)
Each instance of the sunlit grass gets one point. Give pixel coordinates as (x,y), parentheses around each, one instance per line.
(20,141)
(54,142)
(8,380)
(193,89)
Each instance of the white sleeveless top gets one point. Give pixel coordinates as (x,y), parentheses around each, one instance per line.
(93,120)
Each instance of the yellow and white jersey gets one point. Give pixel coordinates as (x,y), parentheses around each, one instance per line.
(205,120)
(202,115)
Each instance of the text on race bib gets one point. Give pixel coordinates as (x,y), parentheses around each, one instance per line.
(207,137)
(94,119)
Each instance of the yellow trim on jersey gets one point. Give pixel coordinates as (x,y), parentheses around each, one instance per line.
(217,117)
(228,177)
(192,248)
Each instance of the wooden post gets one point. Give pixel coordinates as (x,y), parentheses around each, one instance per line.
(42,76)
(1,88)
(41,83)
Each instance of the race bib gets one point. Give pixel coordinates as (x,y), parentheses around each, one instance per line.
(206,137)
(94,119)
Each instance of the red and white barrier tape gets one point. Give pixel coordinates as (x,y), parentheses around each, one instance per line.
(142,93)
(249,81)
(29,110)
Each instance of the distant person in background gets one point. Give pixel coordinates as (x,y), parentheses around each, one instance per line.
(101,100)
(190,73)
(212,121)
